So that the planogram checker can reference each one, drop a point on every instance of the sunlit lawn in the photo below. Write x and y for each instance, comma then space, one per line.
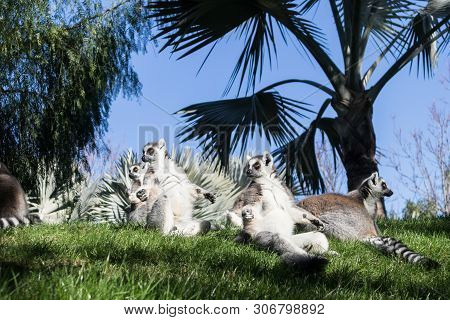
85, 261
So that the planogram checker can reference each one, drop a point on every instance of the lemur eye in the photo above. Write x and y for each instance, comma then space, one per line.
383, 185
150, 151
257, 166
135, 170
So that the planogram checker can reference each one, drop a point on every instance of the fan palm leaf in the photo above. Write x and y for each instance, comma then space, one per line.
111, 200
297, 159
226, 186
220, 127
112, 203
52, 204
189, 26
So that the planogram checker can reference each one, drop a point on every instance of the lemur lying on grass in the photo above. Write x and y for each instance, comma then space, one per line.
352, 217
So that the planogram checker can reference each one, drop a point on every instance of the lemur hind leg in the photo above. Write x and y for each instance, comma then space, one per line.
161, 215
192, 228
290, 253
234, 218
312, 242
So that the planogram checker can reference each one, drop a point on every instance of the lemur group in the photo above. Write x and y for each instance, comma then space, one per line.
162, 197
265, 212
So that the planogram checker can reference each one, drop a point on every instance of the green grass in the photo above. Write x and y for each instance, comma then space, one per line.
84, 261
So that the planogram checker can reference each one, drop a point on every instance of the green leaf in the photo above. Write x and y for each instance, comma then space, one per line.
220, 127
421, 25
189, 26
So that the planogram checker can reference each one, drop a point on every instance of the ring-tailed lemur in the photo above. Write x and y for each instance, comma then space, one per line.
142, 198
352, 217
152, 209
140, 174
269, 216
180, 192
149, 205
13, 203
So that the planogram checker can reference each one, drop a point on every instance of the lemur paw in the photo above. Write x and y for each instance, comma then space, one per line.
210, 196
247, 214
316, 222
320, 226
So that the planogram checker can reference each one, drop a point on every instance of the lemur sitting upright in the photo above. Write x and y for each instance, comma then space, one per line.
352, 217
269, 216
180, 192
152, 209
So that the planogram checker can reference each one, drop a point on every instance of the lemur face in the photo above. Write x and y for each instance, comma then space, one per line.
154, 151
379, 186
137, 170
259, 166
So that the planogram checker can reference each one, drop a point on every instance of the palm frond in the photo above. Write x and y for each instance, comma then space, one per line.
306, 5
297, 159
52, 204
112, 204
220, 127
189, 26
438, 8
421, 25
86, 200
419, 41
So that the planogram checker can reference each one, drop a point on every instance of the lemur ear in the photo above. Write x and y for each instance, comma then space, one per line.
161, 143
248, 158
267, 158
374, 177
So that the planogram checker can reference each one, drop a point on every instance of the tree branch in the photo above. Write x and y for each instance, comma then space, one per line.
98, 15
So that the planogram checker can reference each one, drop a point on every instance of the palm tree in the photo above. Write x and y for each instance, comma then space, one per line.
405, 29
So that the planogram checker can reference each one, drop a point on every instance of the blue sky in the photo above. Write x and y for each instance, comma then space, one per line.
169, 85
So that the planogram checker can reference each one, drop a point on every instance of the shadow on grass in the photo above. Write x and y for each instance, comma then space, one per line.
244, 263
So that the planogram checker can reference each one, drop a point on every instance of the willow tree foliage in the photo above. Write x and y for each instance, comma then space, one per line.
401, 29
62, 62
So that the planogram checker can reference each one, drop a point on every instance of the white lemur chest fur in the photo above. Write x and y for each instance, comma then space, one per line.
274, 196
273, 214
175, 184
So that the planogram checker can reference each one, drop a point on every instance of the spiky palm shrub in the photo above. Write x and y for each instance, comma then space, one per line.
57, 204
205, 173
106, 199
113, 203
48, 201
112, 198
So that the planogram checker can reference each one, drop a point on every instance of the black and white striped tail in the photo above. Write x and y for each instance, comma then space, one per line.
11, 222
398, 248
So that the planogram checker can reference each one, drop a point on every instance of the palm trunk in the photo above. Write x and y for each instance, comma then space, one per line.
358, 142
